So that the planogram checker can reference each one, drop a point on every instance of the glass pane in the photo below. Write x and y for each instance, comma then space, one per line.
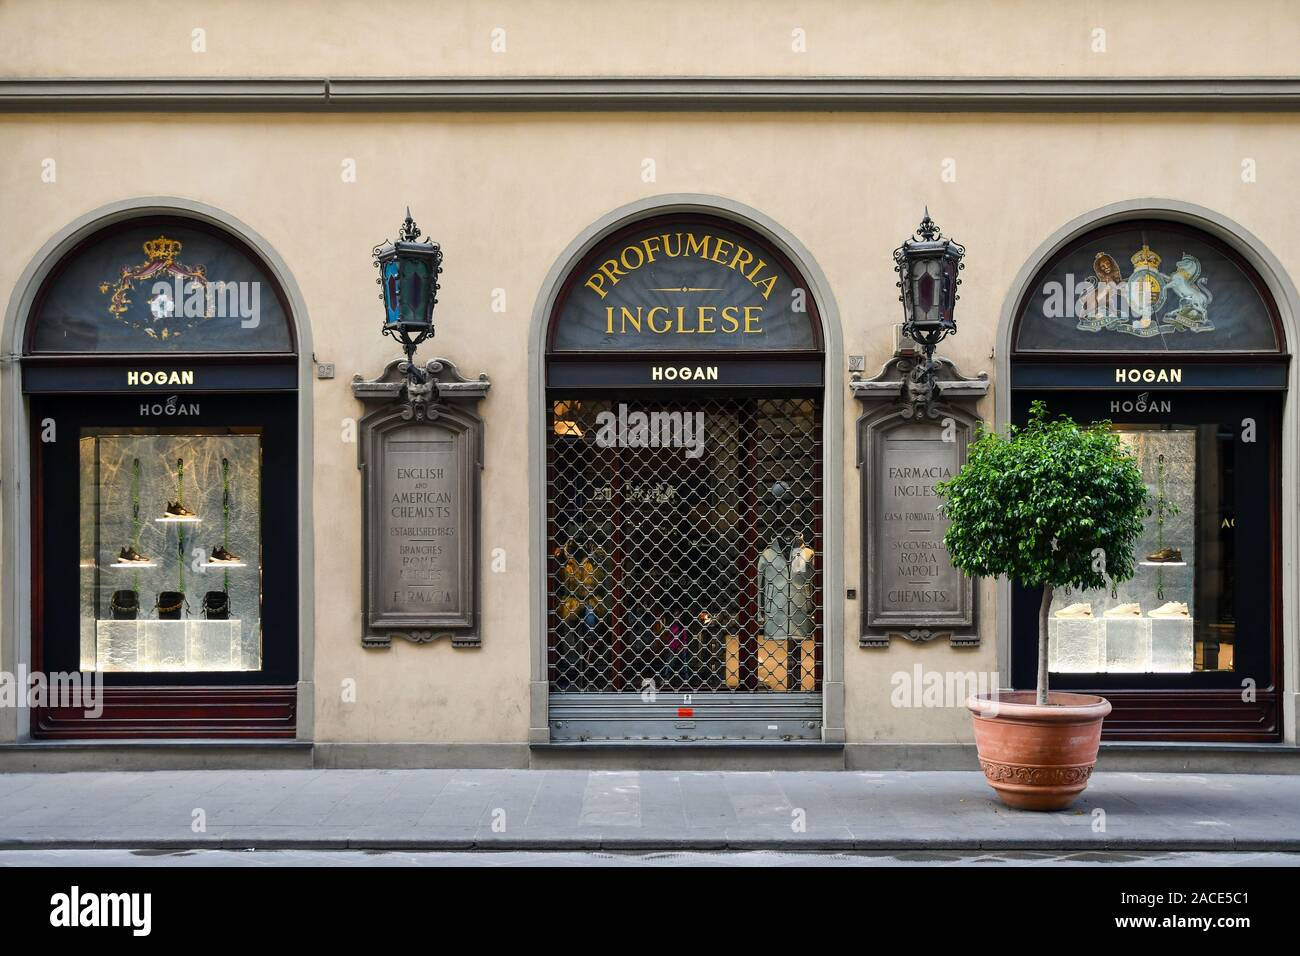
160, 286
689, 283
415, 277
1142, 287
170, 552
1176, 614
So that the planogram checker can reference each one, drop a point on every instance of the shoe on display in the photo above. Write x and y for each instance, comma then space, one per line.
1132, 609
1165, 556
1170, 609
177, 510
220, 555
129, 555
1078, 609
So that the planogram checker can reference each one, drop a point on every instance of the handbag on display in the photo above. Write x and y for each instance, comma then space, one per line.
216, 606
125, 605
169, 605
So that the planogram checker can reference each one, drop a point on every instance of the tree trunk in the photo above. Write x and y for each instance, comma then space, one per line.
1043, 610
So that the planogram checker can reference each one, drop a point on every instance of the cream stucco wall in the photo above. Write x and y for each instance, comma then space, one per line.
94, 38
504, 194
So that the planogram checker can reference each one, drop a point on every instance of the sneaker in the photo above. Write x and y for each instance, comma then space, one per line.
1079, 609
1170, 609
130, 555
177, 510
1165, 556
1125, 610
220, 555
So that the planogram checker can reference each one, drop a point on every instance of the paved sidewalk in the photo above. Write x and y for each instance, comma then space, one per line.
645, 810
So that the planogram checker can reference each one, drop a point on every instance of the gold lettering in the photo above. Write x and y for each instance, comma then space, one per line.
612, 271
699, 317
742, 258
596, 284
670, 252
668, 324
717, 249
649, 252
640, 260
750, 320
730, 319
609, 320
700, 248
770, 283
630, 319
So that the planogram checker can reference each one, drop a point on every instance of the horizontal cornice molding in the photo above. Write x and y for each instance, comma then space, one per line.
486, 94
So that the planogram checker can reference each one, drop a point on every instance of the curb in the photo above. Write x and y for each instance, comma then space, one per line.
660, 845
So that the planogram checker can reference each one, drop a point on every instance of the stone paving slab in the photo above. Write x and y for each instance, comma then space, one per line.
580, 810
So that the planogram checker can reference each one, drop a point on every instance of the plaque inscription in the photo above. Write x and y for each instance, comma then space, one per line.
420, 567
914, 571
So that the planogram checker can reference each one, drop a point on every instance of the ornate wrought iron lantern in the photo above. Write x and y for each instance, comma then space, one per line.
408, 276
928, 268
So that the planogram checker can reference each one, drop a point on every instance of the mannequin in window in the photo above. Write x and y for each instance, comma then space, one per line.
785, 588
801, 589
785, 598
774, 590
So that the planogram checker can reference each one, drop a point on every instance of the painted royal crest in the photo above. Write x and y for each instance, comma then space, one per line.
1147, 302
179, 295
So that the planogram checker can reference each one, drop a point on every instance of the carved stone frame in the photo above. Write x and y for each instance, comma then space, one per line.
890, 403
447, 402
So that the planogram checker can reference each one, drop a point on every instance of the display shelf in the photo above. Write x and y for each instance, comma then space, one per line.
1162, 564
134, 564
172, 519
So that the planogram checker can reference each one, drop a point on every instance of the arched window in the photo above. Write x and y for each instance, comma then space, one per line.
159, 284
1169, 334
165, 552
1147, 286
684, 457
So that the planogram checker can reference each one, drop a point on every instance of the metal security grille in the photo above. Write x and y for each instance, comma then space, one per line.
684, 567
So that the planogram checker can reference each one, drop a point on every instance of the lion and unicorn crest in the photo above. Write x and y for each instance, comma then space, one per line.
1134, 305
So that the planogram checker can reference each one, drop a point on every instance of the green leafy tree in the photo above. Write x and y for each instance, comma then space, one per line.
1050, 504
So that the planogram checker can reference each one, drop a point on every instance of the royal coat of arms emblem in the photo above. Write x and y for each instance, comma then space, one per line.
1148, 302
180, 296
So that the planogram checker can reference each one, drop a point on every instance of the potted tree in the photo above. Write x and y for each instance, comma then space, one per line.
1050, 504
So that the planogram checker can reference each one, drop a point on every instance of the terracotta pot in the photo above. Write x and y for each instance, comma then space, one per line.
1038, 758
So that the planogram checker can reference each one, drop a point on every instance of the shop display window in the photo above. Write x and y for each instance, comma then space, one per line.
1176, 614
685, 540
170, 539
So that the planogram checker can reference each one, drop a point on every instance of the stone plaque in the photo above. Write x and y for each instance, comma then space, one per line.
913, 574
420, 464
910, 588
423, 524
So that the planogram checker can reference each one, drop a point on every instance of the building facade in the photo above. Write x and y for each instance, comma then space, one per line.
674, 502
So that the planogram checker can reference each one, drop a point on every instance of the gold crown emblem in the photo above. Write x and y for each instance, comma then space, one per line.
1144, 258
162, 248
